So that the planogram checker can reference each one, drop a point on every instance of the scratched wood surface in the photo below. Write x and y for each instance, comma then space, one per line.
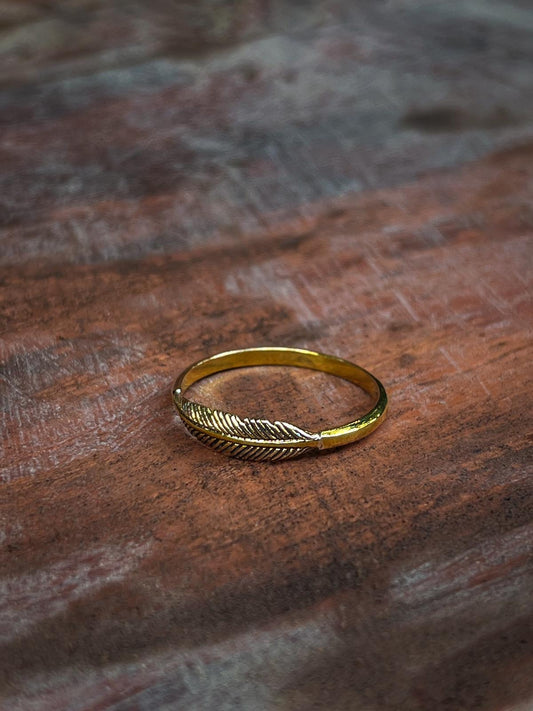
182, 178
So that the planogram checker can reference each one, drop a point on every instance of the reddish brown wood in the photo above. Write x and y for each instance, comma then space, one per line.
355, 180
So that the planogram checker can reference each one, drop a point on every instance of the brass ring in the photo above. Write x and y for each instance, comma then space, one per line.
262, 440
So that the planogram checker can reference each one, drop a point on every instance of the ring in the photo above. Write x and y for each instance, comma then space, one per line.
262, 440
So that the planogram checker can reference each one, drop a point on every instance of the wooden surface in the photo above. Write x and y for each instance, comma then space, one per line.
182, 178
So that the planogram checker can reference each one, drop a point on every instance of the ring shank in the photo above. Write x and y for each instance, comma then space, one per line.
301, 358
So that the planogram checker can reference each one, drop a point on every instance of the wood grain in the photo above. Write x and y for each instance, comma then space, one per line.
189, 179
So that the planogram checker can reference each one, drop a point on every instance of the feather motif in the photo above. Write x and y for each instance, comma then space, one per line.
244, 438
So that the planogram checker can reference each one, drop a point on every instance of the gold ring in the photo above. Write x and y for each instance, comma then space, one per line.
262, 440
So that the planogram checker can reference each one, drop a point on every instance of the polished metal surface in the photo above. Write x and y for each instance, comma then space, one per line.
263, 440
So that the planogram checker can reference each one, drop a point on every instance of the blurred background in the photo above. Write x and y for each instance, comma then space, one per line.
224, 116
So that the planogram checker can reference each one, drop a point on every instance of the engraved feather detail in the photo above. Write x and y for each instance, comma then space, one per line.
245, 438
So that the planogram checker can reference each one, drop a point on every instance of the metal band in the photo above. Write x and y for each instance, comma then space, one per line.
262, 440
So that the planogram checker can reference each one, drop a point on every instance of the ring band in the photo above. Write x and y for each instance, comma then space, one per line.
262, 440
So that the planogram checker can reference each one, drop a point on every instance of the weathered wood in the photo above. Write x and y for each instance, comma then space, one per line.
353, 180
